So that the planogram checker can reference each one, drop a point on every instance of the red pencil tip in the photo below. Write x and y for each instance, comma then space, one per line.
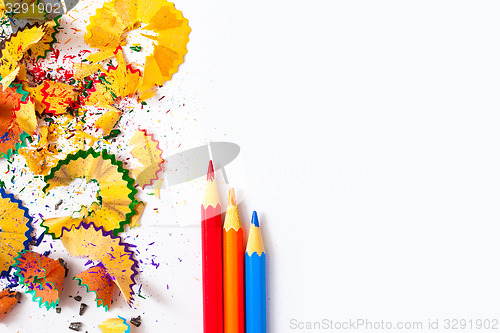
210, 173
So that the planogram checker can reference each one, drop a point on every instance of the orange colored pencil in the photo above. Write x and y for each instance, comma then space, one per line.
233, 256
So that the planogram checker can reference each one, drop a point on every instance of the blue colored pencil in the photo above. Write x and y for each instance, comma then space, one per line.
255, 280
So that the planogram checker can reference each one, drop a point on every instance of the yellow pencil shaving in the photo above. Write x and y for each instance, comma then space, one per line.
232, 215
15, 46
255, 244
139, 209
101, 56
6, 81
26, 117
108, 120
84, 70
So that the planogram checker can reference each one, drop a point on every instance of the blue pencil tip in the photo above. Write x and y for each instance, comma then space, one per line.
255, 219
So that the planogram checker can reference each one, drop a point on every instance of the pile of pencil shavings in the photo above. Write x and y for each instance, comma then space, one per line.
44, 121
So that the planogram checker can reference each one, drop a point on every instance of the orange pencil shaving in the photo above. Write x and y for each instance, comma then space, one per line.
8, 299
233, 255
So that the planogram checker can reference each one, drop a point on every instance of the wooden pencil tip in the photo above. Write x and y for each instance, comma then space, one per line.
255, 219
231, 201
210, 173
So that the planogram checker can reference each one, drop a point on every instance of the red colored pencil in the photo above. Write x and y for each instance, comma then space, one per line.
211, 233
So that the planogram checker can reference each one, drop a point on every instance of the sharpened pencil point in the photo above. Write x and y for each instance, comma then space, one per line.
255, 219
210, 173
231, 201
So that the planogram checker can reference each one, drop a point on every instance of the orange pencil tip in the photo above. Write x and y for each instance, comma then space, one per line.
231, 201
210, 173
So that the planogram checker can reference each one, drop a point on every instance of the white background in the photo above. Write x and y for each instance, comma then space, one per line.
369, 136
370, 133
